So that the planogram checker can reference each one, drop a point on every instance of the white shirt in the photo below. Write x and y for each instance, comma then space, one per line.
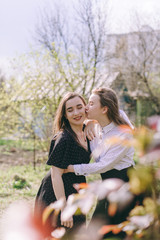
107, 155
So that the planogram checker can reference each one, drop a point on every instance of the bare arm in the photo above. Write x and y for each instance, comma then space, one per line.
58, 187
93, 129
57, 182
109, 156
70, 168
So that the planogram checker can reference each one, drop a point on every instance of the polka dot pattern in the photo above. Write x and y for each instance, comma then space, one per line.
66, 151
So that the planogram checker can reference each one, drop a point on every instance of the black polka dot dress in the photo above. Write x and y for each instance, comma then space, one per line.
66, 151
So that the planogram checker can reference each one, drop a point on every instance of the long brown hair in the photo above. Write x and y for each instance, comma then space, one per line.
61, 123
109, 98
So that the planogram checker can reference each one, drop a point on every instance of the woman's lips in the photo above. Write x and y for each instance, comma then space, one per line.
77, 118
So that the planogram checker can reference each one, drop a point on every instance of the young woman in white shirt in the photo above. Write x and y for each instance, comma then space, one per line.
111, 160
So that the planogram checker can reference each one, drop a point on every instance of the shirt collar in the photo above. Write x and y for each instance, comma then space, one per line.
109, 127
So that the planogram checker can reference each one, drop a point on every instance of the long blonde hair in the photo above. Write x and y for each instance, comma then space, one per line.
109, 98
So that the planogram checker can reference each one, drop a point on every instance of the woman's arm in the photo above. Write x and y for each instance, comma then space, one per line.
92, 129
109, 156
58, 187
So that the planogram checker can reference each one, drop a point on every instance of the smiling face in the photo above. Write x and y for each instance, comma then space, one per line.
94, 109
75, 111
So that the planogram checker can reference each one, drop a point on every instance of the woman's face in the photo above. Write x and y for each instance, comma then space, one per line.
93, 108
75, 111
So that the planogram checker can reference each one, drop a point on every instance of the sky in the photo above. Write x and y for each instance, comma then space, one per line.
18, 19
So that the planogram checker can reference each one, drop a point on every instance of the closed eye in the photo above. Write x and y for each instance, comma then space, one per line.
79, 106
91, 103
69, 109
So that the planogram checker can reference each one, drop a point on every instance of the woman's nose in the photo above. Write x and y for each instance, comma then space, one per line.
75, 111
87, 108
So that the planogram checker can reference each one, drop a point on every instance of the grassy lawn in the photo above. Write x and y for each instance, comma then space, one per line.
10, 190
29, 180
21, 181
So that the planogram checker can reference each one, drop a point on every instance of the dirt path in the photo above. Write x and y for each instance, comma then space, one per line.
18, 157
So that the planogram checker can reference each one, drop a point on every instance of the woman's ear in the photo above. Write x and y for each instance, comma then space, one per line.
105, 110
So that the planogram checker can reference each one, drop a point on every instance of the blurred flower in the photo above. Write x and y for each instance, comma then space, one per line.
19, 224
142, 222
150, 206
143, 137
108, 228
126, 128
91, 232
77, 204
122, 198
154, 123
137, 211
56, 207
102, 189
58, 233
85, 199
153, 157
137, 225
79, 186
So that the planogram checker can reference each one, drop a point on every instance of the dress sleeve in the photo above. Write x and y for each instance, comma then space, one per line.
51, 147
59, 155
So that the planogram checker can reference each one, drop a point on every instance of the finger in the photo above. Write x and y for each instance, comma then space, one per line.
68, 224
90, 139
91, 135
71, 223
100, 135
63, 223
84, 135
88, 134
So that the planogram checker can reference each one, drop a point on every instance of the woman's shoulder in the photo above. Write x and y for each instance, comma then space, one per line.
124, 131
62, 136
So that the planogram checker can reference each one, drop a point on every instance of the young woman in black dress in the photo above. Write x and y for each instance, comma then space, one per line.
67, 147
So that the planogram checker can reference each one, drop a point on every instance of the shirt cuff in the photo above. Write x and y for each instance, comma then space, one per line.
78, 170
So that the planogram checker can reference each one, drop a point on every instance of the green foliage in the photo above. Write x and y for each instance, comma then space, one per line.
24, 189
20, 183
145, 110
6, 142
137, 183
23, 144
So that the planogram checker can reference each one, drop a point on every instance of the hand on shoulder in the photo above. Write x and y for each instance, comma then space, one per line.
92, 129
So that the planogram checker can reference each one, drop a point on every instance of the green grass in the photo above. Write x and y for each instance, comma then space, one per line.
23, 144
9, 194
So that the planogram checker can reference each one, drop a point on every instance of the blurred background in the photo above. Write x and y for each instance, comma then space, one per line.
50, 47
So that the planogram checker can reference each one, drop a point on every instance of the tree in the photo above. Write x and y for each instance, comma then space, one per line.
136, 58
70, 59
77, 48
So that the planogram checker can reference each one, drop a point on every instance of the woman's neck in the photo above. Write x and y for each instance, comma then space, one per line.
104, 121
77, 129
80, 135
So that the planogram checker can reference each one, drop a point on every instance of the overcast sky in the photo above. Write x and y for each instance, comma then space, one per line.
19, 17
